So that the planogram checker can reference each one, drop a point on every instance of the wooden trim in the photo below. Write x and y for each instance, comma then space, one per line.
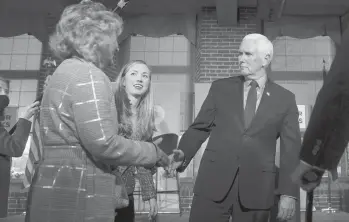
170, 69
263, 9
295, 75
19, 74
260, 26
227, 12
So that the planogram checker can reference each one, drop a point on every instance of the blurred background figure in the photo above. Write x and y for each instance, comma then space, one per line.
12, 143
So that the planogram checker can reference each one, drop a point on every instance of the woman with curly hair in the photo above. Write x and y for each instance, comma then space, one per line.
136, 122
74, 181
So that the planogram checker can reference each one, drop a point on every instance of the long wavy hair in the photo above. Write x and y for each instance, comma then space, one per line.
144, 127
89, 31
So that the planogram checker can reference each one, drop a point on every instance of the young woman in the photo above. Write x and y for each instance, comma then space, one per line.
136, 122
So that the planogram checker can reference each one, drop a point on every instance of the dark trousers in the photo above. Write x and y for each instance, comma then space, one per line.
5, 177
126, 214
206, 210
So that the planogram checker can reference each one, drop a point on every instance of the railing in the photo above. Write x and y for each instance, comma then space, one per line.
184, 200
337, 199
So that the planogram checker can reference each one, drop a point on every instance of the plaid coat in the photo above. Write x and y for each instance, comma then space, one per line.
74, 181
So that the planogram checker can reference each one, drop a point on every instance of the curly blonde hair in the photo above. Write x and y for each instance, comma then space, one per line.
89, 31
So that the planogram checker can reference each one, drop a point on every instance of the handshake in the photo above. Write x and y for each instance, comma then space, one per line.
169, 157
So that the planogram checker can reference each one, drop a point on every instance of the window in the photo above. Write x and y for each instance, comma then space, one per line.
291, 54
165, 51
20, 53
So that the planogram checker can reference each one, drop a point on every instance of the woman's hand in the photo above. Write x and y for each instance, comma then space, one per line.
30, 111
153, 212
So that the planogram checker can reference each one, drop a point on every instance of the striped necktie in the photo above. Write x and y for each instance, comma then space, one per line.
35, 153
251, 103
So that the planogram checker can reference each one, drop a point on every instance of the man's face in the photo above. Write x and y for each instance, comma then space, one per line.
4, 90
251, 61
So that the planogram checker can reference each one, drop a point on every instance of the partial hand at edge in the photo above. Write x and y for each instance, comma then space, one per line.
307, 177
30, 111
153, 211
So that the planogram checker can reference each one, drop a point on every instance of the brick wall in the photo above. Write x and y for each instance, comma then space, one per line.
217, 53
17, 201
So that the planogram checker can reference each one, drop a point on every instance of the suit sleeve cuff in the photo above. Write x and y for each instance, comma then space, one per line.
183, 166
315, 167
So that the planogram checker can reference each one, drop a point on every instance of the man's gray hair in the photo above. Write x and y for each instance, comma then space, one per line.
264, 45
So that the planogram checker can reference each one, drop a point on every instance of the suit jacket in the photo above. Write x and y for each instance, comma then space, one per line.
78, 123
14, 145
327, 133
231, 147
10, 146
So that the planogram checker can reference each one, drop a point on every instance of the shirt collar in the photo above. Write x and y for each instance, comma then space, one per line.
261, 81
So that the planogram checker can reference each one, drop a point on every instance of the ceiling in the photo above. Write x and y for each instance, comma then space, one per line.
291, 7
227, 10
133, 7
316, 7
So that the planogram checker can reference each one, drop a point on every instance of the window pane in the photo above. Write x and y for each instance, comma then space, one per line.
291, 54
20, 53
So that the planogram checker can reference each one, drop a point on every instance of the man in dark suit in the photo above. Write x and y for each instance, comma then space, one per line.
327, 134
244, 116
12, 144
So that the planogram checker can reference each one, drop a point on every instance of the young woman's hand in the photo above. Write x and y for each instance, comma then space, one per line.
30, 111
153, 212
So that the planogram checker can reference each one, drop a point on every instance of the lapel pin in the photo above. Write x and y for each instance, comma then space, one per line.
268, 94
